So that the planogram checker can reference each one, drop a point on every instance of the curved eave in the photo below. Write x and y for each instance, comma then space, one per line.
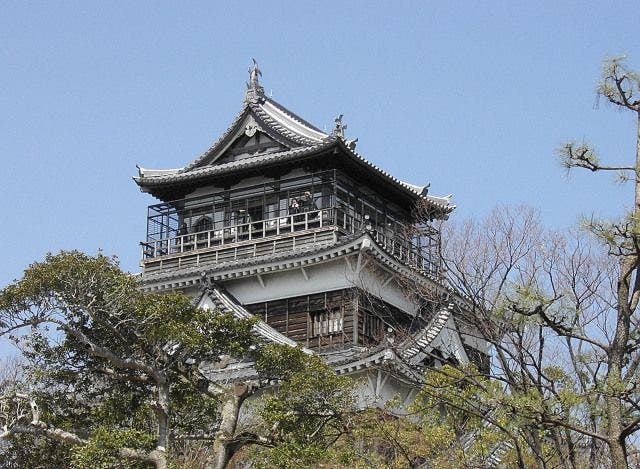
261, 328
208, 172
155, 183
288, 124
192, 276
222, 140
440, 204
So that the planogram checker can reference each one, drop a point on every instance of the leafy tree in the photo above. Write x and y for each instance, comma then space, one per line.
560, 313
113, 375
620, 87
311, 409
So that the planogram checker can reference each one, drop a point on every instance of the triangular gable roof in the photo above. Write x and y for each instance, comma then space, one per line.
213, 296
266, 116
292, 137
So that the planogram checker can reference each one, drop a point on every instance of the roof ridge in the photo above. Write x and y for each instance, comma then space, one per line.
224, 135
293, 115
272, 122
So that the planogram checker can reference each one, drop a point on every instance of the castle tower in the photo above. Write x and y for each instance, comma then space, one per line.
282, 221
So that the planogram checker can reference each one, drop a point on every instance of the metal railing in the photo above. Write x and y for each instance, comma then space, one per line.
397, 241
237, 233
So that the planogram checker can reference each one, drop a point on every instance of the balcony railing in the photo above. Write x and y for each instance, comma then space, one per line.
237, 233
410, 249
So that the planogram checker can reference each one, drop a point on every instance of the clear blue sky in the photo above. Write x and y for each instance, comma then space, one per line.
472, 97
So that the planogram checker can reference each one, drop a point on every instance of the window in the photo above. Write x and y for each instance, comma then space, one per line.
326, 323
204, 224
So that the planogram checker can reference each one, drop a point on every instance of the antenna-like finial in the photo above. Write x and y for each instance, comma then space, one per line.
255, 91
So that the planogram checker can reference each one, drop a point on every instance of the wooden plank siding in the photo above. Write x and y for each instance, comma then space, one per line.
371, 316
295, 318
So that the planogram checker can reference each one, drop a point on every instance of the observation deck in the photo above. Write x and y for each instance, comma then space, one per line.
266, 219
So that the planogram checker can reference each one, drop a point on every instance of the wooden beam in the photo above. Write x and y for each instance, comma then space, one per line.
304, 273
260, 280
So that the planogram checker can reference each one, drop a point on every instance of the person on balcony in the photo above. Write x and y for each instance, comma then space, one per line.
182, 241
183, 230
307, 204
294, 207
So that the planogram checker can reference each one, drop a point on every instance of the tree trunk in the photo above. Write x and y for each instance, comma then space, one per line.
618, 453
160, 459
617, 443
617, 350
224, 446
162, 412
637, 172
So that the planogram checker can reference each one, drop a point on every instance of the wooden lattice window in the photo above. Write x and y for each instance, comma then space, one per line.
326, 323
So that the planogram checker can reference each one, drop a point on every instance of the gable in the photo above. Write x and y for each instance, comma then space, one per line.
252, 142
247, 136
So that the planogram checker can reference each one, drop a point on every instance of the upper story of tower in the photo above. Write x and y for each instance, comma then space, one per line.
274, 183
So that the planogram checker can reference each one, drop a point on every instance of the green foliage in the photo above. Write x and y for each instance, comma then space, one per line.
578, 154
307, 413
276, 362
618, 83
463, 406
29, 451
393, 441
72, 313
102, 449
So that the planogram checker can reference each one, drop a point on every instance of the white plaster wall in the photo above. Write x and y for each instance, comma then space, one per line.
332, 275
283, 284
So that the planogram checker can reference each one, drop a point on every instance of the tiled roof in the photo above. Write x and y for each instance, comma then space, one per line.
225, 168
299, 137
286, 260
226, 304
275, 117
239, 117
421, 341
442, 203
347, 361
287, 123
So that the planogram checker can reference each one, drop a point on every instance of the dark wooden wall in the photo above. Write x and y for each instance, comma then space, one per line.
298, 317
294, 317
